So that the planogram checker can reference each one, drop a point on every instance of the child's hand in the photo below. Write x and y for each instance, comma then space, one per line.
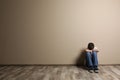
95, 49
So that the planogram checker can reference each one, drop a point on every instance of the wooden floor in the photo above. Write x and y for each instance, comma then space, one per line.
58, 73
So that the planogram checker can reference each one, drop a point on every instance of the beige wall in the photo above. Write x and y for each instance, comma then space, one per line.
54, 31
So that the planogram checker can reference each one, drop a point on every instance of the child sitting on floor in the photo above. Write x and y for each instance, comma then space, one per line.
91, 58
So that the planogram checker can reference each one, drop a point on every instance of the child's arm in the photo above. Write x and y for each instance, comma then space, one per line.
87, 50
95, 49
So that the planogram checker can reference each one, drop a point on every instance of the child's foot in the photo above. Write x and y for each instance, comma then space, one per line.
96, 71
96, 68
91, 71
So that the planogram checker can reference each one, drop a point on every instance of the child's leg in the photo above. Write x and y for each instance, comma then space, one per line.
95, 60
89, 60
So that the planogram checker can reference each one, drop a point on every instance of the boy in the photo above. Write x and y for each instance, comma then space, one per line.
91, 58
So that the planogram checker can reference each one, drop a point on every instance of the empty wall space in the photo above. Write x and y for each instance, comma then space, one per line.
55, 31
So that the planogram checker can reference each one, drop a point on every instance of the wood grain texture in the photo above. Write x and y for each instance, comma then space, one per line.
58, 73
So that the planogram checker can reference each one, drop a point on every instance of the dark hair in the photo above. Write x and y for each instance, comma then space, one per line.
91, 46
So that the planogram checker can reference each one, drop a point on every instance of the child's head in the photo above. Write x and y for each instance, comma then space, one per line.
90, 46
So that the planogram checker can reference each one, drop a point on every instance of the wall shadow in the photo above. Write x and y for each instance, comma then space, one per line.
81, 59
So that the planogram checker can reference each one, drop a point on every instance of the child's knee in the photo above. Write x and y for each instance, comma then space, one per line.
87, 53
95, 53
